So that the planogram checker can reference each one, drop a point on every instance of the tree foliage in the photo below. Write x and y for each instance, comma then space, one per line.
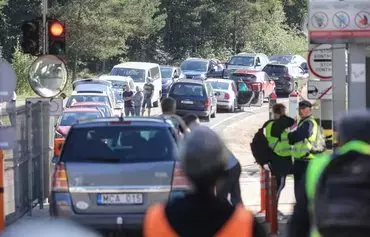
164, 31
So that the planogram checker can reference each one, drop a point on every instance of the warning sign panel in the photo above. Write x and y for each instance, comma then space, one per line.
320, 61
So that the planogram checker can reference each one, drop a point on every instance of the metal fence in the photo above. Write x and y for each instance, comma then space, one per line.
27, 166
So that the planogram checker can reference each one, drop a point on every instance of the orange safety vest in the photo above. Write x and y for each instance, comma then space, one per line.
58, 142
239, 225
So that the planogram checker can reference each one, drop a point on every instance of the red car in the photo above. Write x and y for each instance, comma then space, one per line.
71, 116
100, 105
257, 81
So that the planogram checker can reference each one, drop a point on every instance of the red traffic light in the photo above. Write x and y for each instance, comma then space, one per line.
56, 29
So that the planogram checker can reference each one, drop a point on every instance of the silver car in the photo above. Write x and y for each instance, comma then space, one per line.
111, 170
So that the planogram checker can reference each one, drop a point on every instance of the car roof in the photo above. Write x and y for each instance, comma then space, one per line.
80, 110
278, 64
136, 65
246, 71
89, 92
220, 80
167, 66
134, 121
245, 54
88, 103
116, 78
190, 81
197, 59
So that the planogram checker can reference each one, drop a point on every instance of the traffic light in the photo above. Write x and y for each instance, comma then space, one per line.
56, 36
31, 37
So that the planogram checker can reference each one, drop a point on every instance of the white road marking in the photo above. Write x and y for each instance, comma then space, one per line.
226, 119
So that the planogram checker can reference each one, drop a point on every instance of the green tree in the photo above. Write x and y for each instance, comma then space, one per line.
21, 64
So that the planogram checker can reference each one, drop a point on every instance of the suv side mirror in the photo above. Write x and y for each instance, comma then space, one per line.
258, 64
176, 76
149, 79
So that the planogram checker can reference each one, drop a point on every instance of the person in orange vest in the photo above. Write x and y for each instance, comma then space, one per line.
204, 158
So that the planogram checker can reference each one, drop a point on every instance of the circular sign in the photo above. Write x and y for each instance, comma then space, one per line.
319, 20
8, 81
362, 20
320, 61
48, 76
341, 20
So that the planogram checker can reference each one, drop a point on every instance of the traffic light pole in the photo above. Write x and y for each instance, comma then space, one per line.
44, 27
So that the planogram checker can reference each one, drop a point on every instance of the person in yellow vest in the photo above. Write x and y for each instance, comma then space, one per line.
203, 156
276, 132
302, 139
354, 141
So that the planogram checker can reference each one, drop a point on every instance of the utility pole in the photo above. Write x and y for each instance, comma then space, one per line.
44, 27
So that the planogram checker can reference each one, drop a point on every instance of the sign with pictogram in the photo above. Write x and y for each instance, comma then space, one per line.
317, 90
362, 20
319, 20
339, 22
320, 61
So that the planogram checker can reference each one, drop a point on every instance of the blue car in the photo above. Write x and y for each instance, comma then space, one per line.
170, 75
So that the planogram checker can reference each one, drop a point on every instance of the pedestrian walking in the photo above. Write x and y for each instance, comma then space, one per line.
276, 133
128, 102
138, 99
200, 213
336, 190
229, 184
307, 140
168, 106
148, 95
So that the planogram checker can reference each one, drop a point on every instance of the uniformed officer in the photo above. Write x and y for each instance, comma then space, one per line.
201, 213
302, 139
354, 141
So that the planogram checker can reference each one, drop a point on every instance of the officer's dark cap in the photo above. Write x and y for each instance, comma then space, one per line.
305, 104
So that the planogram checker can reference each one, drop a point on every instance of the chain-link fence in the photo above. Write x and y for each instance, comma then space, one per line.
27, 166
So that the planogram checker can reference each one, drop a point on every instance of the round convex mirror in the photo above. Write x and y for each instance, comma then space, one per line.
48, 76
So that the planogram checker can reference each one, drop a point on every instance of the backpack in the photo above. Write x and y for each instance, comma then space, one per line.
319, 145
342, 200
261, 151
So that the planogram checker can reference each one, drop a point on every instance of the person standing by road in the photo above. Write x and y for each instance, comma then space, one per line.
128, 102
230, 182
138, 99
148, 95
200, 213
348, 203
276, 133
307, 141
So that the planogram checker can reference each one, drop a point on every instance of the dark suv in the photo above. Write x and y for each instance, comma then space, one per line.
194, 96
198, 68
287, 77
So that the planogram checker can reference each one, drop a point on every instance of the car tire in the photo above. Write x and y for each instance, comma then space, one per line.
207, 118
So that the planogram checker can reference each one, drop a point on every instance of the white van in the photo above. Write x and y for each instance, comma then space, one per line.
142, 73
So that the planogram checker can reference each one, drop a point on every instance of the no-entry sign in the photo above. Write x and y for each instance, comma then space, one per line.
320, 61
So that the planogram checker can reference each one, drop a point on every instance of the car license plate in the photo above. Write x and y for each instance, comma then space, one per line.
189, 102
123, 198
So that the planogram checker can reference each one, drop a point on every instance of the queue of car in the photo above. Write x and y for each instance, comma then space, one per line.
111, 168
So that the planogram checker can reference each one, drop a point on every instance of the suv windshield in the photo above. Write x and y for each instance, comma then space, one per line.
138, 75
166, 72
191, 65
87, 98
275, 69
284, 59
187, 89
217, 85
242, 61
70, 118
121, 144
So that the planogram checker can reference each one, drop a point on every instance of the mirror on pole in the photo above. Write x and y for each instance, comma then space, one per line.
48, 76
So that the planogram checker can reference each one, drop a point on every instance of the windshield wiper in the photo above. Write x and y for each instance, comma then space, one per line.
104, 159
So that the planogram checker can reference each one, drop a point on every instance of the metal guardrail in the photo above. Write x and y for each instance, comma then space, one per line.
27, 166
